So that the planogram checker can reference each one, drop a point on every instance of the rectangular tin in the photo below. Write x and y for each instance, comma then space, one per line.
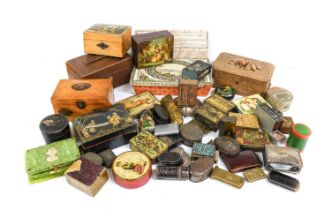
227, 177
166, 129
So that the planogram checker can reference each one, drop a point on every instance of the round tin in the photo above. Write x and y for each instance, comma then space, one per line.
132, 169
299, 136
188, 111
226, 92
279, 98
227, 146
191, 134
55, 127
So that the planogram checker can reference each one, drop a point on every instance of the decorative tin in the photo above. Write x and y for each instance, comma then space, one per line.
108, 157
277, 138
152, 49
172, 172
187, 93
252, 139
186, 110
246, 120
287, 125
137, 103
148, 144
254, 174
285, 159
200, 169
132, 169
196, 71
227, 127
227, 177
245, 160
220, 103
146, 122
184, 156
99, 131
172, 140
299, 136
87, 176
284, 180
170, 159
270, 120
94, 157
173, 110
51, 160
248, 104
160, 114
226, 92
202, 150
55, 127
279, 98
202, 126
209, 116
166, 129
191, 134
227, 146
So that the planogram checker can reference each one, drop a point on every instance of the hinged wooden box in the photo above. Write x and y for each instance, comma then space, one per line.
90, 66
73, 98
105, 39
247, 76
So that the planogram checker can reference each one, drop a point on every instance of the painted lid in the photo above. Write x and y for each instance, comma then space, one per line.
53, 125
301, 131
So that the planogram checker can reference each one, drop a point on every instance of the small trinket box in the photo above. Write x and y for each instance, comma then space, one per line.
132, 169
187, 93
248, 104
172, 172
152, 49
279, 98
245, 160
226, 92
252, 139
287, 125
108, 157
186, 110
202, 126
137, 103
51, 160
200, 169
227, 146
196, 71
94, 157
55, 127
160, 114
170, 159
270, 120
202, 150
246, 120
148, 144
228, 127
191, 134
227, 177
299, 136
184, 156
174, 112
285, 159
277, 137
254, 174
146, 121
284, 180
87, 176
166, 129
220, 103
172, 140
209, 116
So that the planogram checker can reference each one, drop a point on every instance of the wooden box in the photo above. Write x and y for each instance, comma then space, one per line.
152, 49
90, 66
189, 46
73, 98
247, 76
110, 40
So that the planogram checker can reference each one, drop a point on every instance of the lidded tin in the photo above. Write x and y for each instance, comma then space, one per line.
279, 98
132, 169
55, 127
191, 134
299, 136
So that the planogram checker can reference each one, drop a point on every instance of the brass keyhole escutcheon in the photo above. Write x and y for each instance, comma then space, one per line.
80, 104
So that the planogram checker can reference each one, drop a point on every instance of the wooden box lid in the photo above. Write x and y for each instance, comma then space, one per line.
244, 67
107, 32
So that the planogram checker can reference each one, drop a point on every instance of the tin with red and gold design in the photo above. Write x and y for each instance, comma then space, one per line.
132, 169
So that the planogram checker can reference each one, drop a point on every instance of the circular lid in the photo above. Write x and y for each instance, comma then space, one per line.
226, 92
191, 132
301, 131
54, 124
227, 145
131, 165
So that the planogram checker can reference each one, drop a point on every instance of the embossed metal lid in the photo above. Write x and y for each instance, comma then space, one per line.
191, 134
227, 146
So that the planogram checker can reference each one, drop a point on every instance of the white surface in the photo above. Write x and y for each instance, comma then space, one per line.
37, 37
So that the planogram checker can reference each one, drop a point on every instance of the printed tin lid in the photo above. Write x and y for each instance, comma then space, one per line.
301, 131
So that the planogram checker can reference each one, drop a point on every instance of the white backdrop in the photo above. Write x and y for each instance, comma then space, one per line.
37, 37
